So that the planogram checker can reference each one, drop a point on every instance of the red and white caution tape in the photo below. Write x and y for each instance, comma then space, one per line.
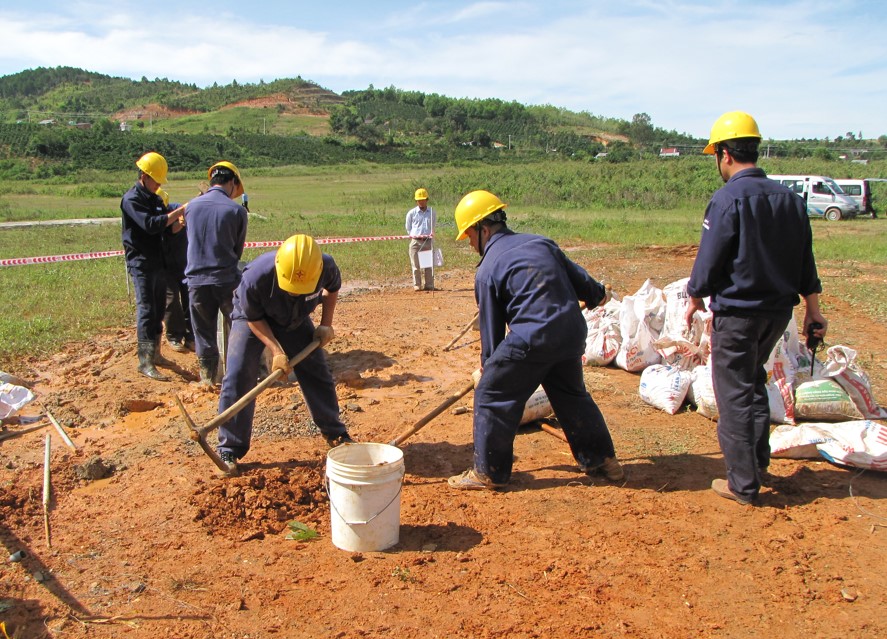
74, 257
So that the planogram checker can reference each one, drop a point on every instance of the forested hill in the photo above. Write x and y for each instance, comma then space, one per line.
57, 121
75, 92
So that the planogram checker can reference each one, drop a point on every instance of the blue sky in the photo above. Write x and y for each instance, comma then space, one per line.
804, 69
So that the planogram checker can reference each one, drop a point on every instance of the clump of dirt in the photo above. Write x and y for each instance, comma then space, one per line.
262, 501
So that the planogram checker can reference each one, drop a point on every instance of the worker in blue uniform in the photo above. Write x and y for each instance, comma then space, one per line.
527, 283
177, 316
272, 308
755, 258
216, 227
145, 217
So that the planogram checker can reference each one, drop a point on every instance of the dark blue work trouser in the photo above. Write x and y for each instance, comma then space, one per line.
149, 285
206, 302
177, 317
507, 382
313, 375
740, 346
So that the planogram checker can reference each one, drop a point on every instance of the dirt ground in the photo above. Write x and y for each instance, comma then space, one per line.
164, 547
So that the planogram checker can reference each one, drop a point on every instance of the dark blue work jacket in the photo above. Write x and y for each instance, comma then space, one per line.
526, 282
143, 222
756, 250
259, 297
216, 227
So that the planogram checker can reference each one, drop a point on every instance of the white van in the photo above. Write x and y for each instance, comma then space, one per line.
823, 196
860, 191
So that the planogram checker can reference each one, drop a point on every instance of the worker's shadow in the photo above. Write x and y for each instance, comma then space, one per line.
688, 472
449, 537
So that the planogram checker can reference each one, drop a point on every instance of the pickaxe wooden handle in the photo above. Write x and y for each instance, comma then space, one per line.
199, 434
449, 401
464, 330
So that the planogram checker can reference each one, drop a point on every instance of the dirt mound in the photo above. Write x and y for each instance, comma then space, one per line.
262, 501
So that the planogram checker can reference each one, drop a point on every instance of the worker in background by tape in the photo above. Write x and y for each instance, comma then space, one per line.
272, 308
216, 226
420, 223
145, 217
525, 282
755, 258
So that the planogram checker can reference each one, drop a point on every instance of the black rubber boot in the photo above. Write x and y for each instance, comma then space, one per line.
208, 369
147, 351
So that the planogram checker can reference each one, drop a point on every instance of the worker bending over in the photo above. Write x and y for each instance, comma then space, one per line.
527, 283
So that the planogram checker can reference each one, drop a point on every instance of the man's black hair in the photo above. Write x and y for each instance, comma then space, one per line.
743, 150
222, 175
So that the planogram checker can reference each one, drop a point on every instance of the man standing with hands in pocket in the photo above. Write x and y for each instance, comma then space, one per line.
420, 224
755, 259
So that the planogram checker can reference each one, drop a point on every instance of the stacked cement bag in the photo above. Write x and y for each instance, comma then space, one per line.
641, 317
673, 360
604, 337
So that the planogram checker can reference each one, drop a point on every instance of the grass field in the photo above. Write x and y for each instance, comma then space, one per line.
47, 305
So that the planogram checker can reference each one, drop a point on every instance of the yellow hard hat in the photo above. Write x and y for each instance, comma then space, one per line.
224, 164
473, 208
732, 125
299, 264
421, 194
154, 166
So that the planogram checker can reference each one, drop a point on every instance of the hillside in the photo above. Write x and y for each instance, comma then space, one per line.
58, 121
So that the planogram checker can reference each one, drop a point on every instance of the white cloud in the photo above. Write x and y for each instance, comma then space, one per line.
793, 65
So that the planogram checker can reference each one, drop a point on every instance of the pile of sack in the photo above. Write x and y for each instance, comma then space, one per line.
646, 333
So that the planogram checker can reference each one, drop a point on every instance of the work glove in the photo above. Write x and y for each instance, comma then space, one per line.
163, 196
325, 334
281, 363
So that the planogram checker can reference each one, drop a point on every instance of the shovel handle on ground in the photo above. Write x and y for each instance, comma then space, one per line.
415, 428
464, 330
199, 434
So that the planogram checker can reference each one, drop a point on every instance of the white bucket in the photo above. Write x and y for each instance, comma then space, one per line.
364, 483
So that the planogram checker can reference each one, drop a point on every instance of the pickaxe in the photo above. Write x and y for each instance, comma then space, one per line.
464, 330
199, 434
449, 401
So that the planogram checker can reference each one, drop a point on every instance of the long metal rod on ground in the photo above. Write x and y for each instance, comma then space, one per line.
19, 433
46, 489
58, 427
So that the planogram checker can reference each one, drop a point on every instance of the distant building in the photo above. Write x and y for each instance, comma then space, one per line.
46, 122
125, 126
669, 152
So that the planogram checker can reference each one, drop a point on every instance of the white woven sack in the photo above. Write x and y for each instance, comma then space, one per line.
842, 367
12, 398
536, 407
702, 392
641, 317
604, 336
861, 444
665, 387
858, 443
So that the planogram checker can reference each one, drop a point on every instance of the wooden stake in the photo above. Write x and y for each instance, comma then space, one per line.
46, 490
